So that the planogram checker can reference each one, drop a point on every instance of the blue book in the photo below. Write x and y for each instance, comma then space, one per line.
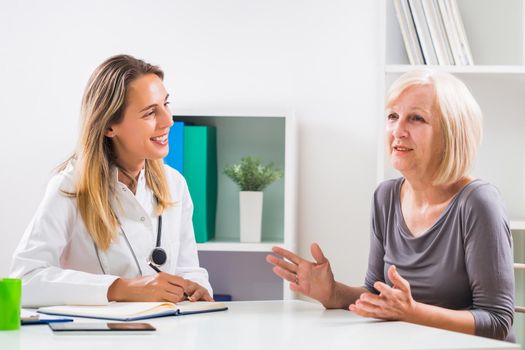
175, 157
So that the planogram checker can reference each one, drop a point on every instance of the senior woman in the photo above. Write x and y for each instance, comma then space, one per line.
440, 243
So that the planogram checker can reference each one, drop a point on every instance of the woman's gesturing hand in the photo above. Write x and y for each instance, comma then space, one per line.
159, 287
313, 279
392, 303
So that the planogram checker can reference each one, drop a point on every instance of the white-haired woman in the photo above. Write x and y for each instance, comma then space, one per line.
440, 246
115, 223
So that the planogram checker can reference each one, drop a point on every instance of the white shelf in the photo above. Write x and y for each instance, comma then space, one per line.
218, 246
482, 69
517, 225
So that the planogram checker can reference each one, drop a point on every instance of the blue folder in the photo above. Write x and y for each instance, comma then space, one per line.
175, 157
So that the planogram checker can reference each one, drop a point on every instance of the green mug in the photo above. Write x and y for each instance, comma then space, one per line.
10, 296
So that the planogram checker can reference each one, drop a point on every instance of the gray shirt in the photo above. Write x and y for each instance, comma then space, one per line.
463, 262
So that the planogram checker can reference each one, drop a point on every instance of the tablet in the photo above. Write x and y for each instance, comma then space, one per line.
101, 328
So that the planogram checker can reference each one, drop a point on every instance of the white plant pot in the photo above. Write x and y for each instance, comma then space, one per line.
251, 216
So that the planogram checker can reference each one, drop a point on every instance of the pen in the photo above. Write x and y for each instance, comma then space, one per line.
154, 267
186, 296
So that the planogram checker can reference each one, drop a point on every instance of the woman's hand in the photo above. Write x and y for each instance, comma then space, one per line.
158, 287
392, 303
313, 279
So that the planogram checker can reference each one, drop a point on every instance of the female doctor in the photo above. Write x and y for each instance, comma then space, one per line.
115, 223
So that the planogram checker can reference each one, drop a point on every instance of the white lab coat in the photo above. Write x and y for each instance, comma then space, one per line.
56, 257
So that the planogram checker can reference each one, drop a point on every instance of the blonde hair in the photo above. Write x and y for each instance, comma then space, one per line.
103, 105
460, 120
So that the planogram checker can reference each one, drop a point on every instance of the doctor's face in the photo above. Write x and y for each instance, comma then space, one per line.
143, 130
413, 133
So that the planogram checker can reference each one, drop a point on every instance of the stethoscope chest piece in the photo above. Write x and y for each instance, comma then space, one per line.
158, 257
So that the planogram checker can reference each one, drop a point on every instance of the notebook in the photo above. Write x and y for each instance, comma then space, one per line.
132, 311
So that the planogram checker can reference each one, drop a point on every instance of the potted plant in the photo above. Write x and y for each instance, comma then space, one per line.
252, 178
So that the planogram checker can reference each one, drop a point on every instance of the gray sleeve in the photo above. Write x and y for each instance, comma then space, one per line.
375, 271
489, 262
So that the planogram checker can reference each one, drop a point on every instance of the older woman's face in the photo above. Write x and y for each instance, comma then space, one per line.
413, 133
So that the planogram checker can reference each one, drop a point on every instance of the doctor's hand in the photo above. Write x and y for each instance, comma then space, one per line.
159, 287
392, 303
313, 279
196, 292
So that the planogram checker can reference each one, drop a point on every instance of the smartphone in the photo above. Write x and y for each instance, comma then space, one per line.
101, 328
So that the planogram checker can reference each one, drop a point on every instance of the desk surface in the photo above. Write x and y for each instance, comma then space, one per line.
259, 325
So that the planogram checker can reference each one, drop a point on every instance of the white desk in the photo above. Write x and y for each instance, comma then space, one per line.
259, 325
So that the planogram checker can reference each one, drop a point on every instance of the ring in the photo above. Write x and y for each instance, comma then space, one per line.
296, 279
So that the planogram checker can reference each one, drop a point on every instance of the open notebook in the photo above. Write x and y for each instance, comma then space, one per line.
132, 311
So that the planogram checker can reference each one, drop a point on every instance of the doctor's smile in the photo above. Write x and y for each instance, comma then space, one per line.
161, 140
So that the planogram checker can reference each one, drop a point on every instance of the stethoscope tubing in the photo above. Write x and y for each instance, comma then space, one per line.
155, 265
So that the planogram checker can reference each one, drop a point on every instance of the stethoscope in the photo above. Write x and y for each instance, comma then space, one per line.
156, 259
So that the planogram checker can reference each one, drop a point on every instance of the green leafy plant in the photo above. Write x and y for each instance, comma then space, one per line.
251, 175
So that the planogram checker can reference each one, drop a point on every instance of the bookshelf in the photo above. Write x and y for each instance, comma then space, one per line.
236, 268
495, 31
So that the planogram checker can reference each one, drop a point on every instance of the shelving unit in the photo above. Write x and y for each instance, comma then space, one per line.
235, 268
495, 30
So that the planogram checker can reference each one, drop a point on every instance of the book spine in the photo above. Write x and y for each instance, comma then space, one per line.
462, 35
450, 29
175, 157
200, 171
408, 31
211, 182
437, 32
423, 32
443, 31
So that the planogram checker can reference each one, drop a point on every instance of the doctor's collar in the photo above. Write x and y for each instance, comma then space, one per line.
114, 172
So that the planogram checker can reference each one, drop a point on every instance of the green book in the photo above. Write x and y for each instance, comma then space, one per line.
200, 171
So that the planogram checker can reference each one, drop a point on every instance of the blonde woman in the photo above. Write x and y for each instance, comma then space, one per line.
115, 223
440, 246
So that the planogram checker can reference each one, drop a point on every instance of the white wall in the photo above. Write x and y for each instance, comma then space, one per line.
318, 58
